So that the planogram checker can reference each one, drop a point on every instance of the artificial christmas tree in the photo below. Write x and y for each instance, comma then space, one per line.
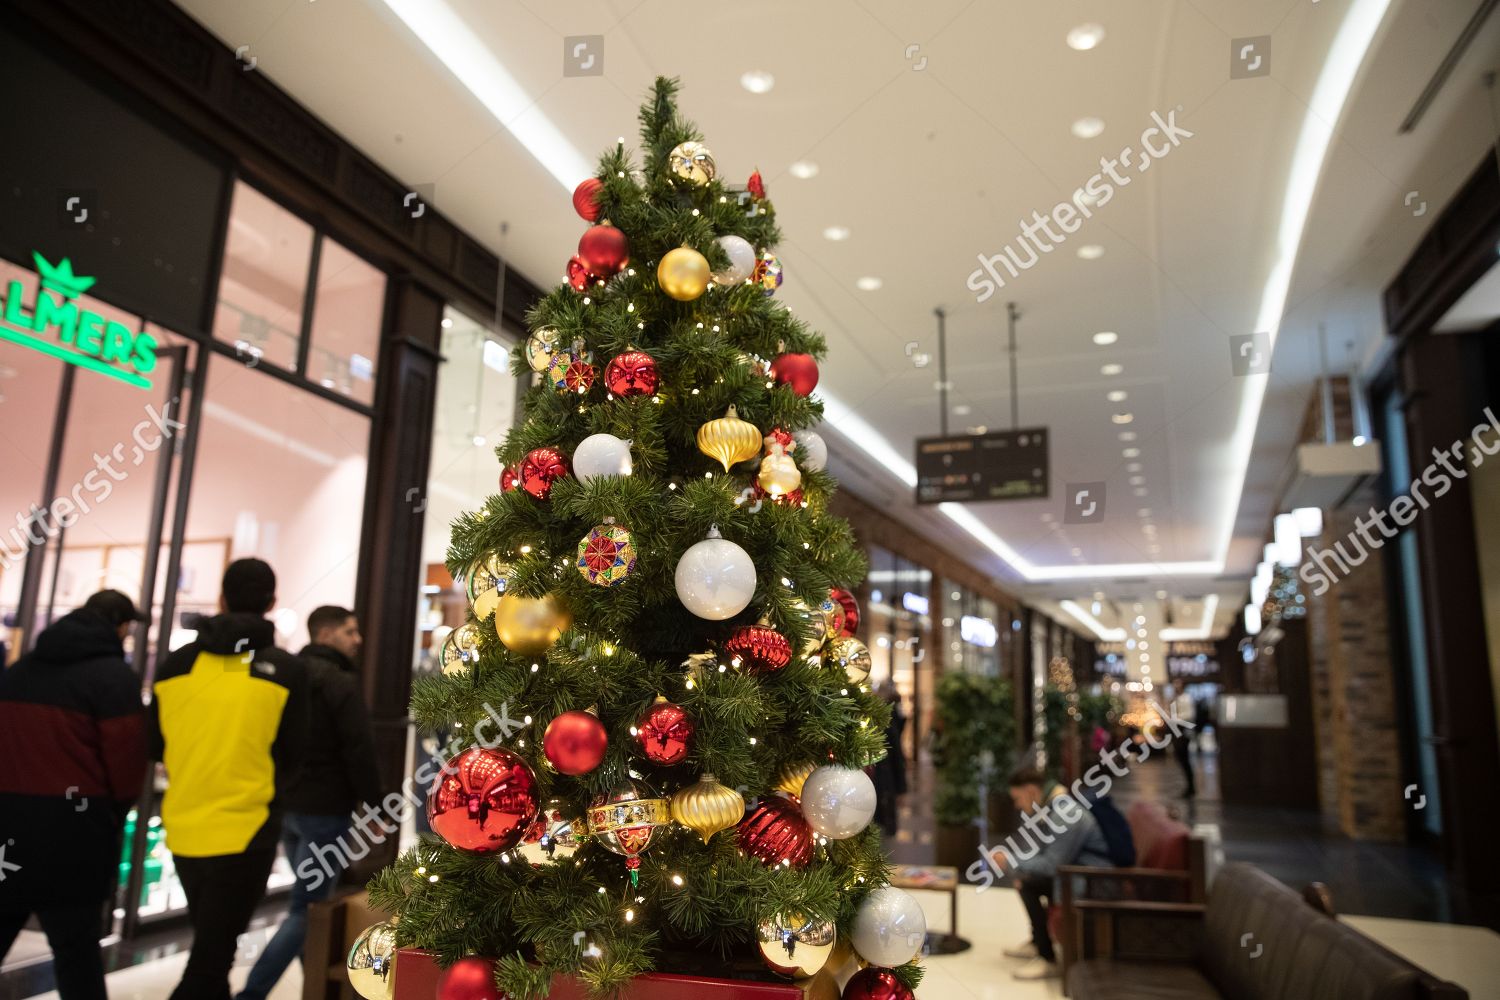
671, 594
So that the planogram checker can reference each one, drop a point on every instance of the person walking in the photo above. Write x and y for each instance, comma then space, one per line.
72, 739
338, 775
229, 721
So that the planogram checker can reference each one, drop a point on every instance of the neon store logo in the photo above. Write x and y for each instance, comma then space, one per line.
58, 325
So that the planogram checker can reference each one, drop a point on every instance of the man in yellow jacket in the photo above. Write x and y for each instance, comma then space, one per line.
229, 721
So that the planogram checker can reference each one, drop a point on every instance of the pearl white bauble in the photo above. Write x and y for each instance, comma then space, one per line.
889, 928
838, 802
812, 451
741, 260
715, 578
601, 455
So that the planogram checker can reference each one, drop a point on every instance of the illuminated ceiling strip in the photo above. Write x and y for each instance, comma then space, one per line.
1091, 623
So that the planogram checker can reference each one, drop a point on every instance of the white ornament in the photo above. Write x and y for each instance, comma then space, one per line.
741, 260
838, 802
812, 451
601, 455
715, 578
889, 928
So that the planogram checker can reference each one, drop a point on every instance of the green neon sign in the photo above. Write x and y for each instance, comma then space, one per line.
56, 325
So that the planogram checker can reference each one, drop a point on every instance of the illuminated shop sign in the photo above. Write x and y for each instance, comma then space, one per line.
978, 631
915, 603
57, 325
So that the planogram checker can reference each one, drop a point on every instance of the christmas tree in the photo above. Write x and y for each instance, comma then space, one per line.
662, 605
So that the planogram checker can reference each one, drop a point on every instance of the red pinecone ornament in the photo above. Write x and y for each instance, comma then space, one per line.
756, 186
578, 274
666, 733
776, 832
631, 374
760, 648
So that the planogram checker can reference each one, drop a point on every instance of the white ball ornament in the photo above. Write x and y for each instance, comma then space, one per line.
715, 578
812, 451
601, 455
838, 802
889, 928
741, 260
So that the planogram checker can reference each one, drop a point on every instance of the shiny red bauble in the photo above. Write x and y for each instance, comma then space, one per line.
575, 742
604, 250
540, 469
876, 984
586, 198
483, 801
665, 733
851, 610
631, 374
760, 648
578, 274
509, 479
800, 371
775, 832
471, 978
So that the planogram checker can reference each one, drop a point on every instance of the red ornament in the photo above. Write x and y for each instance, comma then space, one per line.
760, 648
876, 984
665, 731
574, 742
756, 186
781, 437
851, 610
775, 832
540, 469
631, 374
586, 198
800, 371
578, 274
471, 978
484, 800
604, 250
508, 479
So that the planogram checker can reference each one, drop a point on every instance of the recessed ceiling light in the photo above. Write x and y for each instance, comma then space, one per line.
1088, 128
1117, 396
1091, 251
1140, 633
803, 170
1141, 492
1131, 453
1137, 480
1111, 369
1085, 36
1133, 467
1127, 435
1161, 595
962, 410
447, 323
757, 81
836, 233
1122, 418
869, 284
1106, 337
1082, 197
1077, 551
1144, 512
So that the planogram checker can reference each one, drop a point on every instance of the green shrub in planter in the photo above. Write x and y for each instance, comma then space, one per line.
975, 742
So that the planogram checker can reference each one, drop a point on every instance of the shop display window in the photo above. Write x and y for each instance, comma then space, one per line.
347, 309
263, 288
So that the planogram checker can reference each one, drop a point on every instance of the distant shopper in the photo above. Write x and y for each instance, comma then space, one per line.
73, 747
229, 721
890, 772
1058, 831
1183, 708
338, 775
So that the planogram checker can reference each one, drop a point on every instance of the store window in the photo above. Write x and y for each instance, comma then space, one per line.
263, 288
899, 616
346, 323
972, 628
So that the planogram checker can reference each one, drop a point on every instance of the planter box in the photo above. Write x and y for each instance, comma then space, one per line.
418, 975
956, 846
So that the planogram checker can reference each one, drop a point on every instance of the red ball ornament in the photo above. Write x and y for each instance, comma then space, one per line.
800, 371
574, 742
756, 186
484, 800
471, 978
540, 469
851, 610
631, 374
578, 274
604, 250
876, 984
586, 198
508, 479
775, 832
665, 732
760, 648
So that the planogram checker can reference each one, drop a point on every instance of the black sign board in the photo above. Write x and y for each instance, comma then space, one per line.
1003, 465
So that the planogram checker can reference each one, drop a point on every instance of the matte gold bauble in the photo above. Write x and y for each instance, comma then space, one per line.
729, 439
778, 473
528, 625
371, 963
683, 274
853, 656
791, 778
706, 807
794, 945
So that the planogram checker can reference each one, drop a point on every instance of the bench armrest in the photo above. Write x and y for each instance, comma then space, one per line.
1097, 872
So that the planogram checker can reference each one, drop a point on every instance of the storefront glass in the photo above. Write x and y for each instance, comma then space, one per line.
897, 627
971, 627
263, 287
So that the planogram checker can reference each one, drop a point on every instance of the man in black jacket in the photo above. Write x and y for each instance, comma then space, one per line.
338, 775
72, 743
229, 721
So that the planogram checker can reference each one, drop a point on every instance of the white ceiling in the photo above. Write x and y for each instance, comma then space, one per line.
936, 127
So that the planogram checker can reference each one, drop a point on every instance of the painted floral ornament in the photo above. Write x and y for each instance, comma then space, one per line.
767, 272
572, 370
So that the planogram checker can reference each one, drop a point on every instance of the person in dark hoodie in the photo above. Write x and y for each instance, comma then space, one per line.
72, 739
338, 775
229, 721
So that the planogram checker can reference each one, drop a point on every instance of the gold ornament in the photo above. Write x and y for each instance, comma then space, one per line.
833, 616
729, 439
692, 162
372, 962
817, 627
528, 625
540, 347
485, 583
794, 945
823, 986
792, 777
683, 274
707, 807
853, 656
460, 650
778, 473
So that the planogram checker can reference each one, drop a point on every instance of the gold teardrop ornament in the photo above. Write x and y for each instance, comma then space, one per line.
729, 439
706, 807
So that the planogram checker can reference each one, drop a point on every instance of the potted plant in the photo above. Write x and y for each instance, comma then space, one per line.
974, 749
